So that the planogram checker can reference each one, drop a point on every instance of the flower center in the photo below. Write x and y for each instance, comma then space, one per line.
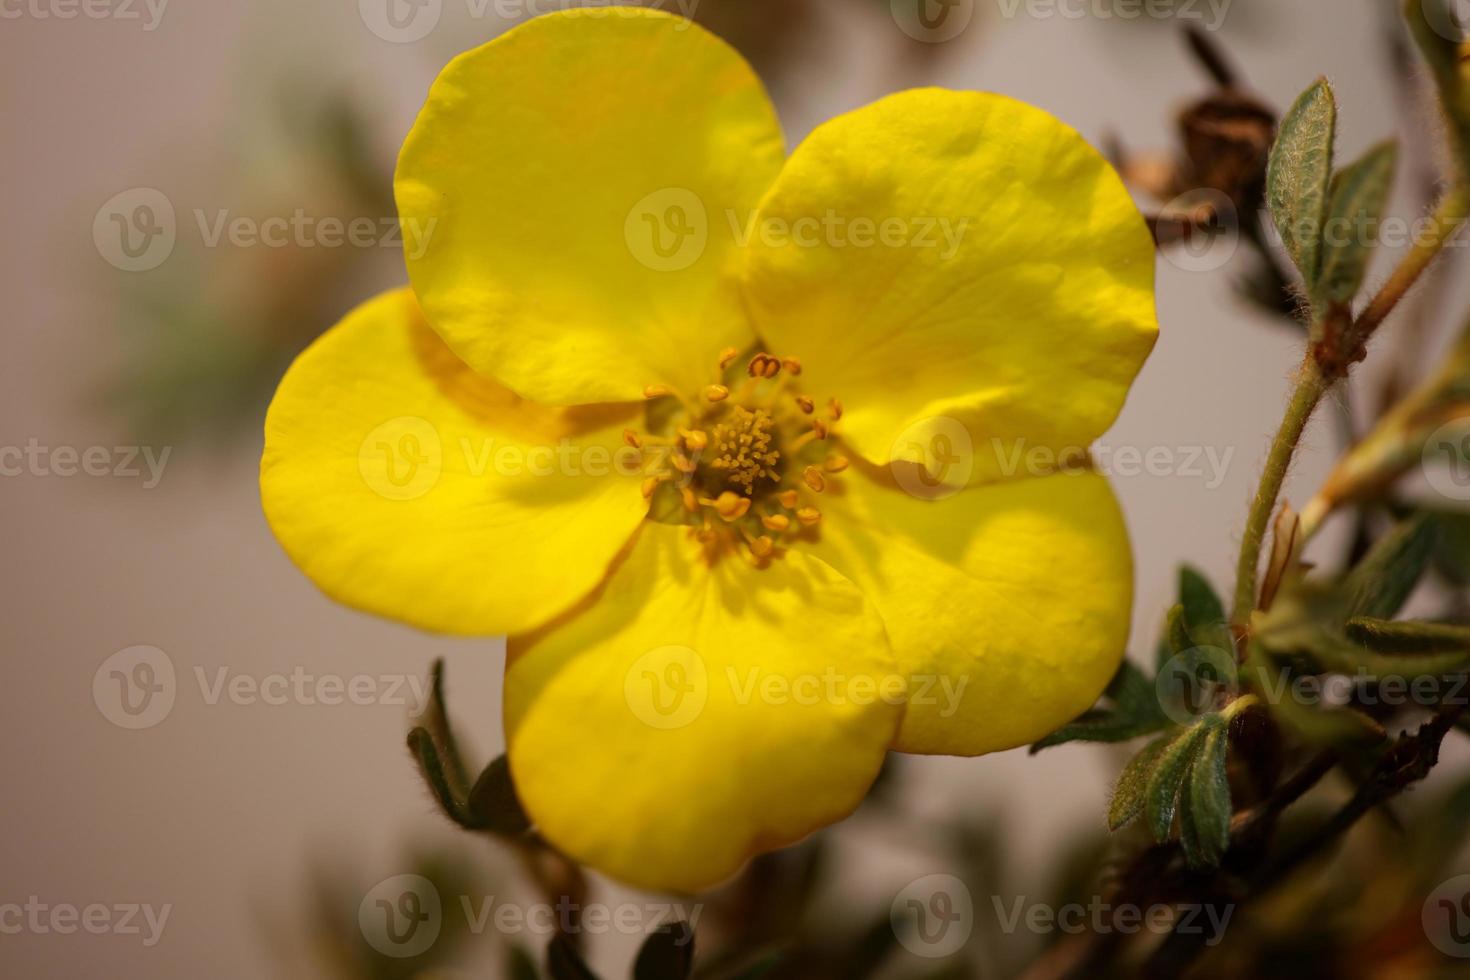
743, 462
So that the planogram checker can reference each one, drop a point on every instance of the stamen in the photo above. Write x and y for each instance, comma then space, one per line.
656, 391
819, 428
727, 357
788, 499
835, 464
776, 522
762, 546
791, 364
650, 485
695, 439
806, 404
731, 506
813, 478
631, 438
683, 463
809, 516
764, 366
691, 502
836, 407
716, 393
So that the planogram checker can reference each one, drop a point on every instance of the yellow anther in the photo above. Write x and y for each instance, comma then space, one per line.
805, 404
836, 407
764, 366
835, 464
819, 428
809, 516
631, 438
683, 463
717, 393
791, 364
788, 499
762, 546
656, 391
691, 502
732, 506
727, 357
813, 478
650, 485
776, 522
695, 439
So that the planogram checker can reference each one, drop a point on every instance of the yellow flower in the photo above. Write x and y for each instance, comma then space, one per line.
739, 450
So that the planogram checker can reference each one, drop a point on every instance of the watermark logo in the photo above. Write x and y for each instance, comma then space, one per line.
135, 688
1446, 917
136, 230
933, 458
933, 21
401, 21
1199, 231
667, 687
401, 916
1190, 684
1449, 19
1447, 460
668, 230
402, 458
933, 916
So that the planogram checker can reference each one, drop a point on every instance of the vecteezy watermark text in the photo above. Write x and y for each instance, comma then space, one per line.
148, 12
40, 918
403, 916
37, 460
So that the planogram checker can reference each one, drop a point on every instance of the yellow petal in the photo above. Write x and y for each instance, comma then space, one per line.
1007, 604
687, 717
567, 196
959, 256
404, 484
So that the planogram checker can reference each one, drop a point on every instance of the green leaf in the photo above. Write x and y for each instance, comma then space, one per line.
1204, 612
667, 954
519, 965
1381, 583
1177, 630
1129, 793
1452, 557
1416, 636
1434, 27
564, 962
493, 803
1299, 176
1165, 783
1359, 195
1209, 800
1135, 711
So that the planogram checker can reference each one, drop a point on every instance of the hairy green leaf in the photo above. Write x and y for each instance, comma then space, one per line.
667, 954
1299, 176
1129, 793
565, 962
1204, 612
493, 803
1414, 636
1165, 783
1208, 828
1359, 195
1134, 711
1380, 585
